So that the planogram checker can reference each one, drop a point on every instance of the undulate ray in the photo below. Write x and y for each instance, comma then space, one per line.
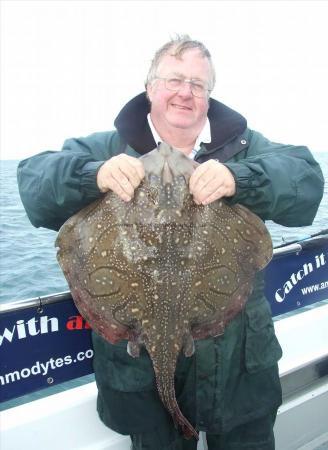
161, 271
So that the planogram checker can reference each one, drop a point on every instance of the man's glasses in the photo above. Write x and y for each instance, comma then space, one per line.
198, 89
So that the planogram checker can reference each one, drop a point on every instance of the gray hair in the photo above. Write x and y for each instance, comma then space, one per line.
176, 47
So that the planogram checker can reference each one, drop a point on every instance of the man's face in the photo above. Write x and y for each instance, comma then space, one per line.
180, 109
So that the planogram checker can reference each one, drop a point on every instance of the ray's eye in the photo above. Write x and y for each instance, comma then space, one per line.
153, 179
180, 180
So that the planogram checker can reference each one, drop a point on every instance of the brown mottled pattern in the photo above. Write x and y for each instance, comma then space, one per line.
161, 271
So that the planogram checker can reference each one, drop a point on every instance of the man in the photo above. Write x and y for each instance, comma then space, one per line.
230, 387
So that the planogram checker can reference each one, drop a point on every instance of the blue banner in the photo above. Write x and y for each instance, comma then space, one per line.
297, 280
41, 349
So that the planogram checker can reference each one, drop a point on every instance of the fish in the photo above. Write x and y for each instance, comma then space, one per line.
161, 271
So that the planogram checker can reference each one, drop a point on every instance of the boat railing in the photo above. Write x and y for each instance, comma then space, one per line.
315, 241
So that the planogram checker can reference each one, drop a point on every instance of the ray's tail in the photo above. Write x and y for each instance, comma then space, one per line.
165, 386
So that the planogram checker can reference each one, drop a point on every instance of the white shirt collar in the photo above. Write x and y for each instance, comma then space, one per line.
204, 136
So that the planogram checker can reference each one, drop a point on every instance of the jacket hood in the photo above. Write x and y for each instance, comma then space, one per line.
132, 124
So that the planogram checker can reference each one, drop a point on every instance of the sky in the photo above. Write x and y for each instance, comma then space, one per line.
68, 67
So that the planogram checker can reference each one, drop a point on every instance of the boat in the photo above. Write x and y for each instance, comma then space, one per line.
48, 392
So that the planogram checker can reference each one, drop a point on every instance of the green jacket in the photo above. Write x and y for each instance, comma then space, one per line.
230, 379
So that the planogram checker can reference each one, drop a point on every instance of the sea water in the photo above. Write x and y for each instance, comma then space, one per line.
28, 265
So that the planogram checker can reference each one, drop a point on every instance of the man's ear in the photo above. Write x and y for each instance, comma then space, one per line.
149, 90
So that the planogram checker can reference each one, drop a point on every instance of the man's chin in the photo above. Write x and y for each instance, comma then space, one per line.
181, 124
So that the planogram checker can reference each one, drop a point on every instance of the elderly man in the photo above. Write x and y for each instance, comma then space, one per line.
230, 386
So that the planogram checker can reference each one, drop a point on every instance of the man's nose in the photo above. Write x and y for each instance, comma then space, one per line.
185, 89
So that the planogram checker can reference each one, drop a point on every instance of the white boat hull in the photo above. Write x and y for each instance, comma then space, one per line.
68, 420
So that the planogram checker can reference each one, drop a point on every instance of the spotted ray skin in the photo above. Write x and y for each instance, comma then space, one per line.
161, 271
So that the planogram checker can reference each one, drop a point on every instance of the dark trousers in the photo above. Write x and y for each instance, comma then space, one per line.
255, 435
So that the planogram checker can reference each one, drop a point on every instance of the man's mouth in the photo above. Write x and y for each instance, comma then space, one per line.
182, 107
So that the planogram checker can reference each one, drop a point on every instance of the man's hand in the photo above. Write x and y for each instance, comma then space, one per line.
211, 181
122, 174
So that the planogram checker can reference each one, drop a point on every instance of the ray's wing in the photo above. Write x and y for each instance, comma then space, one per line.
237, 246
100, 253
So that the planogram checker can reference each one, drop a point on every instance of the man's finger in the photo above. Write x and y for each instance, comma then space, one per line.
219, 193
202, 191
196, 177
121, 181
138, 167
135, 173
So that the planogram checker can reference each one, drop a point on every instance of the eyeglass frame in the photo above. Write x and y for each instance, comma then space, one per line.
184, 80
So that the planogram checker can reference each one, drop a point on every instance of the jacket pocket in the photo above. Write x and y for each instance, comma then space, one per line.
262, 348
114, 367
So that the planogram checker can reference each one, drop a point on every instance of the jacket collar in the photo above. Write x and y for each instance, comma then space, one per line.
132, 124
